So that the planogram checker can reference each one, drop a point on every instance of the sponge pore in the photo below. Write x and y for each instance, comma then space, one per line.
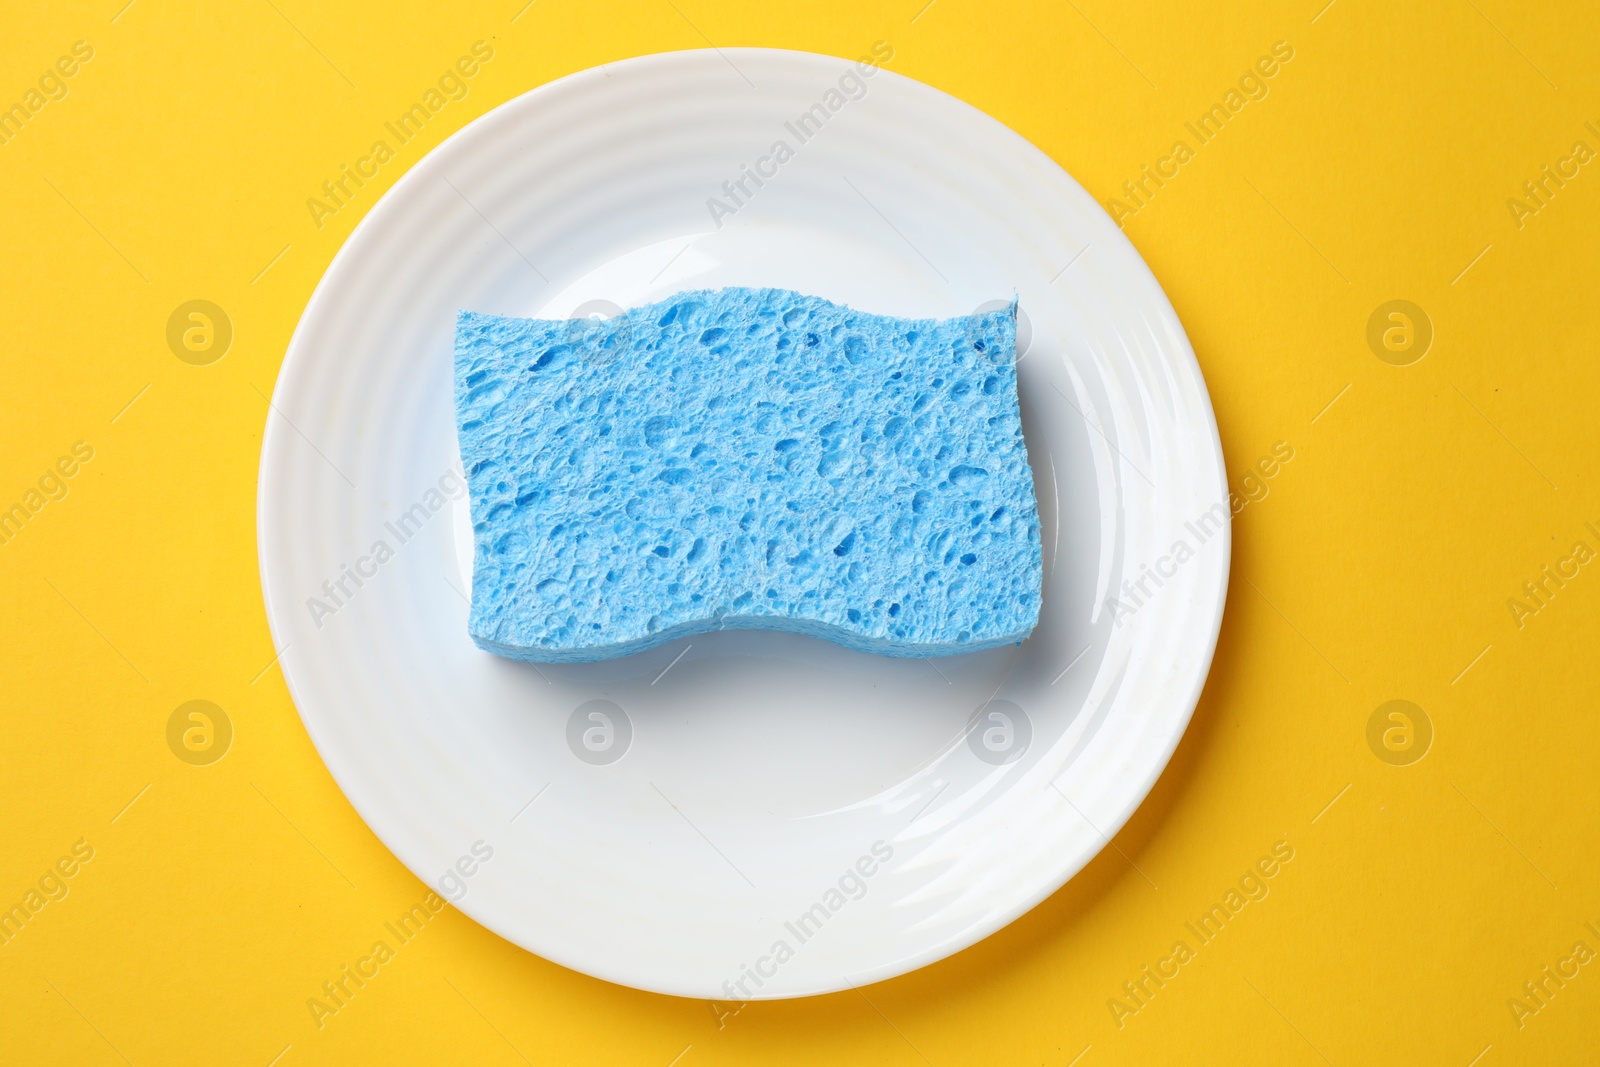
746, 458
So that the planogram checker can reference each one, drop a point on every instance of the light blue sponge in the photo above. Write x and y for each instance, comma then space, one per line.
749, 458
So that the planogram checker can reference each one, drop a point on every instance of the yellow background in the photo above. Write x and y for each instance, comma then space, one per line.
1378, 566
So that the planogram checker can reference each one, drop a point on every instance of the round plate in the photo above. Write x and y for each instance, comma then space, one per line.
741, 815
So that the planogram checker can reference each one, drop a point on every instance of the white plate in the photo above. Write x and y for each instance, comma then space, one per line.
756, 770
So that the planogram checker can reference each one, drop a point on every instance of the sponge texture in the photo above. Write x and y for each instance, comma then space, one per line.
745, 458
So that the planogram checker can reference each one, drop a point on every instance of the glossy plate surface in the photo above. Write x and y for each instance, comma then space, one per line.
741, 815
